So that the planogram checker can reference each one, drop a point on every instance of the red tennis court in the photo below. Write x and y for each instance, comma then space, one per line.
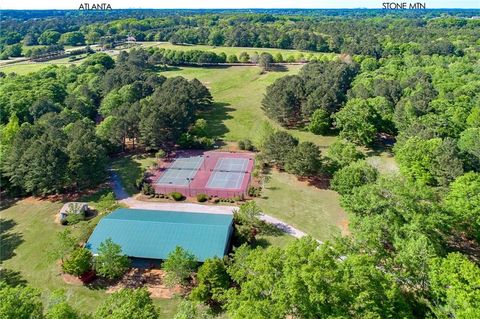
221, 174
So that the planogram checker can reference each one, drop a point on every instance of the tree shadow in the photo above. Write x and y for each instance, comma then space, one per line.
166, 68
9, 240
320, 181
215, 118
12, 278
7, 201
278, 68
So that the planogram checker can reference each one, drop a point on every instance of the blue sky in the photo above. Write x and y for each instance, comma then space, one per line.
118, 4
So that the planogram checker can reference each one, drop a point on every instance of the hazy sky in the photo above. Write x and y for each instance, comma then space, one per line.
119, 4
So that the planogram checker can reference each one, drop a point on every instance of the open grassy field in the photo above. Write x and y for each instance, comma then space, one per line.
237, 50
238, 92
28, 231
312, 210
29, 66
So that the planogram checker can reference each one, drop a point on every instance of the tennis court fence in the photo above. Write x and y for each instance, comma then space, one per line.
191, 192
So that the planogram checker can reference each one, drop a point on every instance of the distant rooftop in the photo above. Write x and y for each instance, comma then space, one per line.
153, 234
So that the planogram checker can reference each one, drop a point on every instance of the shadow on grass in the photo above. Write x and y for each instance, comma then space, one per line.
215, 118
279, 68
9, 240
128, 171
12, 278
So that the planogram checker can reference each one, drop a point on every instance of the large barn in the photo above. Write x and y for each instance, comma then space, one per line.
153, 234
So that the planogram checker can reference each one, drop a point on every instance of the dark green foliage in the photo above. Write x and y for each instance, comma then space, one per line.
127, 304
176, 196
283, 100
202, 198
179, 265
354, 175
292, 100
110, 262
277, 146
78, 263
171, 111
304, 160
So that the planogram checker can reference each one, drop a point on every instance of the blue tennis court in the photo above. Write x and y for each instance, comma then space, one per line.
226, 180
181, 172
231, 165
228, 173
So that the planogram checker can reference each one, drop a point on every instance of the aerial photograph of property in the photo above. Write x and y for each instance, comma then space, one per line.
208, 159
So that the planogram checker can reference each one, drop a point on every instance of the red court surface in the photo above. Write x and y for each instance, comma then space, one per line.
220, 174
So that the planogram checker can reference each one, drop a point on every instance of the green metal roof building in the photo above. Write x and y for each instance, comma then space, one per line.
153, 234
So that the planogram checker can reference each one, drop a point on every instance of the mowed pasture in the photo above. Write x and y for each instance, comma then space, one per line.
28, 234
26, 67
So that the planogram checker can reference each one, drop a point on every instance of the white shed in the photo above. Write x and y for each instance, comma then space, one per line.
72, 208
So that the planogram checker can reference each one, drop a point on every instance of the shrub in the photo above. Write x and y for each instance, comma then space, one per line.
139, 182
176, 196
245, 145
79, 262
147, 189
73, 218
241, 145
254, 191
160, 154
202, 198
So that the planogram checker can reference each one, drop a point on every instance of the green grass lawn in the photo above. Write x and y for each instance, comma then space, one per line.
27, 233
29, 66
312, 210
238, 92
237, 50
130, 168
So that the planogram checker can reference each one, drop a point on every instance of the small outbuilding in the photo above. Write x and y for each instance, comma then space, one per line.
153, 234
78, 208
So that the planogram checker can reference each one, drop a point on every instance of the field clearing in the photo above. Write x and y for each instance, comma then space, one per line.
237, 50
238, 92
312, 210
22, 68
28, 231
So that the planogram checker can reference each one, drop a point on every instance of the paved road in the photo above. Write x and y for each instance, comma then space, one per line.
123, 197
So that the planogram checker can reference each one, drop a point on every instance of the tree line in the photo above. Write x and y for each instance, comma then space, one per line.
373, 34
60, 124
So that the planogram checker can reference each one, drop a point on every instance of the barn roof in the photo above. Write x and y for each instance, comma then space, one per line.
153, 234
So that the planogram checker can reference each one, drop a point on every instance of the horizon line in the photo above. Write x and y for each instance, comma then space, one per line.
132, 8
